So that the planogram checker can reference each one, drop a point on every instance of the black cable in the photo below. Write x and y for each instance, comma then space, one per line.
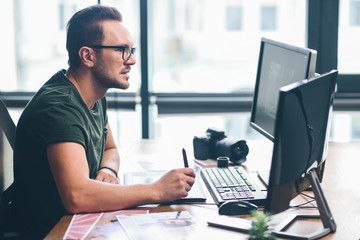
306, 195
302, 205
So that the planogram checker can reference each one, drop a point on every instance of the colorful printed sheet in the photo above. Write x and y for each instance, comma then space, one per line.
81, 224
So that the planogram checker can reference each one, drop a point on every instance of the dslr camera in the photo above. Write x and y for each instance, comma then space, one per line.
215, 144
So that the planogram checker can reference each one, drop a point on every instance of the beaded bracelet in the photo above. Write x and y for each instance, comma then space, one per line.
111, 169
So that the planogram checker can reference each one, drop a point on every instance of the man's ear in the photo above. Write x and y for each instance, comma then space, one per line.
87, 56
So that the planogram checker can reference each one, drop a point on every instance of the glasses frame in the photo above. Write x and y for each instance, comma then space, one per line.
131, 50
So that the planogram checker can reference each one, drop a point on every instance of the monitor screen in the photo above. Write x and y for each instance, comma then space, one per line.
279, 64
300, 137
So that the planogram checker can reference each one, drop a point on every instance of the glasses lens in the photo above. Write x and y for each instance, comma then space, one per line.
128, 52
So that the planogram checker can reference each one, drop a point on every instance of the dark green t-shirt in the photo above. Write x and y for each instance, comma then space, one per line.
56, 113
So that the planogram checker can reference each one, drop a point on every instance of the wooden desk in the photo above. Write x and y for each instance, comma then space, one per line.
340, 184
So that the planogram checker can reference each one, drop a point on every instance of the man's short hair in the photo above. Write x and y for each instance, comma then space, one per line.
84, 29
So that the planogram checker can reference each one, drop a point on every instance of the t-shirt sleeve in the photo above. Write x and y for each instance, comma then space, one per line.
62, 123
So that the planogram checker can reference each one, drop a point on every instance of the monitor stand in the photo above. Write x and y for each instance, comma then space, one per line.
324, 210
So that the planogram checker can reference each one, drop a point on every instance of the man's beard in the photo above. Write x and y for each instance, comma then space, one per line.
104, 80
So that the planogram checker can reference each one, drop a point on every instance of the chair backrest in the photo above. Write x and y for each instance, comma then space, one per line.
8, 127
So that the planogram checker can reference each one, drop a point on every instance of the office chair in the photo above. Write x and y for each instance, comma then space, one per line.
7, 216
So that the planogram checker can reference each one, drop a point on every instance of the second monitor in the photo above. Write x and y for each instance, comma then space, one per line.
279, 64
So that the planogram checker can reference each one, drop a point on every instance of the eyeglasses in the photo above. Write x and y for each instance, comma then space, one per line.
126, 51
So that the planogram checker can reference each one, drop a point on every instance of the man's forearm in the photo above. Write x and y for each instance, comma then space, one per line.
111, 159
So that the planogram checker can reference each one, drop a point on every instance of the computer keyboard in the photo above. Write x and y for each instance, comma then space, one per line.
232, 183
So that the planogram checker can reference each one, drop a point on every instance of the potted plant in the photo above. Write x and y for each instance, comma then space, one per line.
260, 228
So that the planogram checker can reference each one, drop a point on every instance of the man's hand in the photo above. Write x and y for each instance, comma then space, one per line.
174, 184
106, 175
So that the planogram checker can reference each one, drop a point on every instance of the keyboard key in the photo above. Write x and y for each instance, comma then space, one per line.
242, 195
249, 194
248, 182
227, 196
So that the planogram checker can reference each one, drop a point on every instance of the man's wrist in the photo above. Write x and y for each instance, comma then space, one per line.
111, 169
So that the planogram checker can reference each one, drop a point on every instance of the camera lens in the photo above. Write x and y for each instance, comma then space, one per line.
235, 150
239, 151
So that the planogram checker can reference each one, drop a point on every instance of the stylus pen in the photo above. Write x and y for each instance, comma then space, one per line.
185, 158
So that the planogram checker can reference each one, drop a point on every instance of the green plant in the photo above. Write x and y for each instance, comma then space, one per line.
260, 229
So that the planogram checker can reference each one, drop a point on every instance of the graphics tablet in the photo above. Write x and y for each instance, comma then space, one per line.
196, 194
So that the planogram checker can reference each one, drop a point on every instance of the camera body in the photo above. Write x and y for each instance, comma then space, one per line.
215, 144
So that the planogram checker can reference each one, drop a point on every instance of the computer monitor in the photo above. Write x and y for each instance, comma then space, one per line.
300, 140
279, 64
